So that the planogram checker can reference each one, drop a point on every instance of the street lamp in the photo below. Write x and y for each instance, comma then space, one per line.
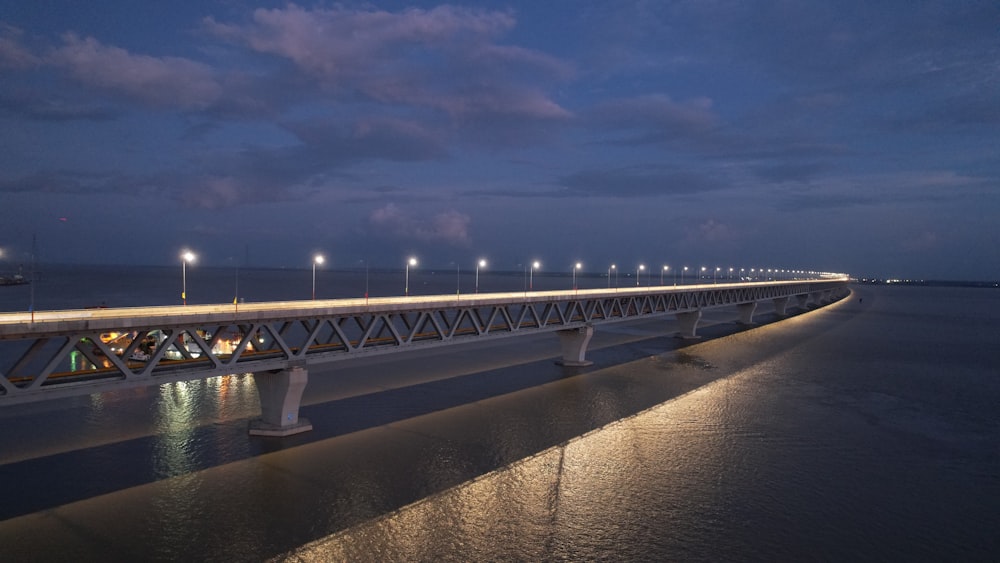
615, 268
318, 259
684, 271
411, 262
665, 268
637, 270
186, 256
480, 264
531, 274
716, 280
703, 268
576, 267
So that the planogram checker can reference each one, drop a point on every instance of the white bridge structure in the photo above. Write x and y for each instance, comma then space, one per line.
49, 354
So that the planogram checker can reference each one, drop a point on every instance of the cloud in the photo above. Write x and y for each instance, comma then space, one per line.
13, 55
215, 193
450, 226
922, 242
710, 231
162, 82
339, 42
442, 59
637, 182
890, 189
385, 138
659, 115
40, 107
790, 171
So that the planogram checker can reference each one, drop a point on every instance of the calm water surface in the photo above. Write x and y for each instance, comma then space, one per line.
867, 430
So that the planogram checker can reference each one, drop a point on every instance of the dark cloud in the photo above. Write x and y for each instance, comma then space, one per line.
334, 141
637, 182
790, 172
958, 113
891, 191
37, 106
657, 113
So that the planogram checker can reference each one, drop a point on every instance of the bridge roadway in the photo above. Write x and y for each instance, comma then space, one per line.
49, 354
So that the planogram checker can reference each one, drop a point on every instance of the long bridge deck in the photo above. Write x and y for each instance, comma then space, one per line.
47, 354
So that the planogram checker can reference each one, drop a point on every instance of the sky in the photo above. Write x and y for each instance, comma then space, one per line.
844, 136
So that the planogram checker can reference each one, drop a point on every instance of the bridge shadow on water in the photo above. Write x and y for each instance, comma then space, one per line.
563, 403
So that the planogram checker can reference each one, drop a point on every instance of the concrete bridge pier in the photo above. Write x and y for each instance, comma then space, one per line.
688, 324
803, 300
746, 312
574, 346
280, 396
781, 305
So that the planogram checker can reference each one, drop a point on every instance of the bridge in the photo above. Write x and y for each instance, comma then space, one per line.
50, 354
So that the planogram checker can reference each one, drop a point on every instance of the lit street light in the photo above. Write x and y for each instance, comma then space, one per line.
411, 262
637, 270
665, 268
318, 259
684, 271
613, 267
186, 256
531, 274
480, 264
703, 269
576, 267
716, 279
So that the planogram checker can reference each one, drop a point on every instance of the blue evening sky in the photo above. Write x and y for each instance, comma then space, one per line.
849, 136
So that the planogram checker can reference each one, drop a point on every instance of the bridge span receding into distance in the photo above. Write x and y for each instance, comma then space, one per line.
51, 354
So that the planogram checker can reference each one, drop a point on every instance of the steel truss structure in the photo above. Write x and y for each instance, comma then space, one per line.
79, 352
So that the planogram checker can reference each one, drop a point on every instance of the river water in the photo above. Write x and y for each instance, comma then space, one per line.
866, 430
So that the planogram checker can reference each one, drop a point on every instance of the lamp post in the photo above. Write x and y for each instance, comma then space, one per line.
615, 268
186, 256
531, 274
665, 268
318, 259
411, 262
576, 267
716, 278
480, 264
684, 271
703, 268
637, 270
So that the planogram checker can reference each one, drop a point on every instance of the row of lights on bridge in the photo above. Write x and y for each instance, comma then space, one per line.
318, 260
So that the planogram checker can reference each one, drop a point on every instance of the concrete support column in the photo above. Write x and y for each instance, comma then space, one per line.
746, 312
688, 324
803, 299
816, 297
780, 305
280, 395
574, 346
